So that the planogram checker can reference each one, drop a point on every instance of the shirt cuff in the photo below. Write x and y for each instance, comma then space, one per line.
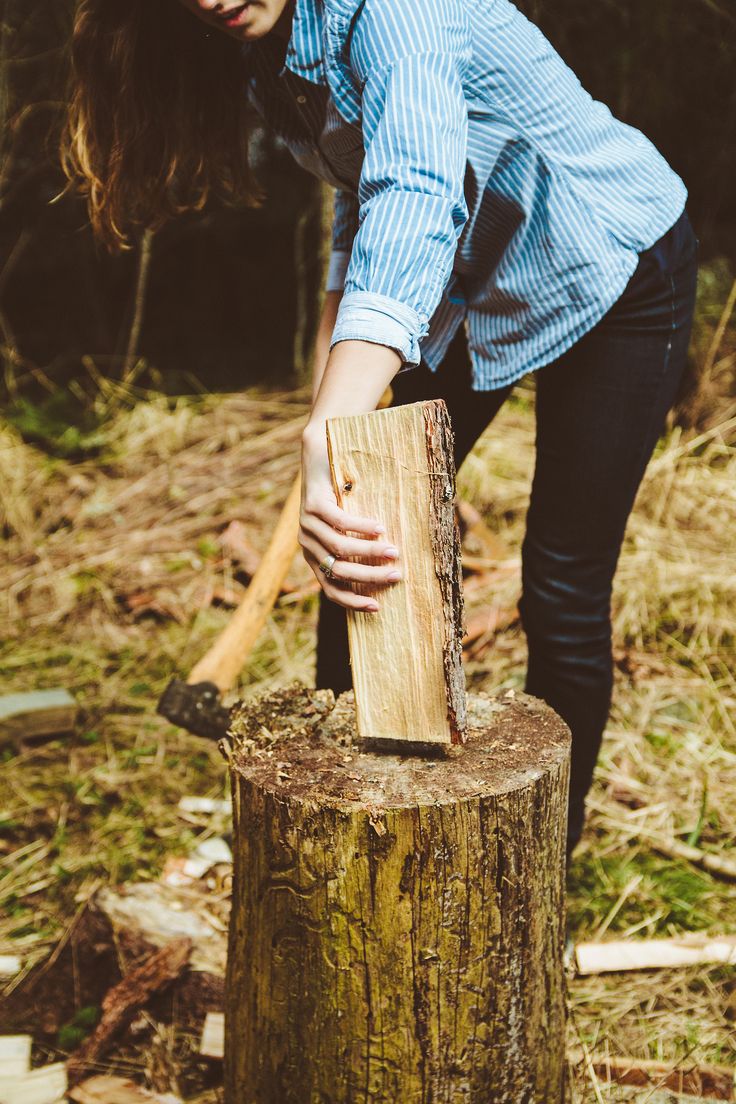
336, 269
367, 316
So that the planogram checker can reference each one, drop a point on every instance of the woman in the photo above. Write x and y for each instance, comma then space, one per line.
491, 218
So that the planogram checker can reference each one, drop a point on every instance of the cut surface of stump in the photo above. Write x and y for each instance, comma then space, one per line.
397, 923
397, 465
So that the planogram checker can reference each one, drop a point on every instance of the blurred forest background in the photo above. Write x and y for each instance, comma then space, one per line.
230, 298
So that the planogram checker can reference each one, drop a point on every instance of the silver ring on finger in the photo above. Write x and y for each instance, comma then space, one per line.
327, 565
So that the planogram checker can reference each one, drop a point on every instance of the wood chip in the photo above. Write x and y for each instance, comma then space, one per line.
212, 1044
205, 805
10, 965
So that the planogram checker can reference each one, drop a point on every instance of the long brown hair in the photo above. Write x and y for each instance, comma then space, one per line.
158, 120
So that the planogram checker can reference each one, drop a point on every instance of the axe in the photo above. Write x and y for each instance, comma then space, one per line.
195, 704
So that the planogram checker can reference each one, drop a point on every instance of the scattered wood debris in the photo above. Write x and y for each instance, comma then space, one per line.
37, 714
118, 1090
126, 998
710, 1082
652, 954
182, 871
212, 1044
154, 914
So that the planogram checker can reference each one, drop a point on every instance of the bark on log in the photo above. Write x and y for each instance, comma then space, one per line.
397, 923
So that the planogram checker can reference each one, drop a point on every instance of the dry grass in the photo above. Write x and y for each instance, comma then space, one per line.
142, 518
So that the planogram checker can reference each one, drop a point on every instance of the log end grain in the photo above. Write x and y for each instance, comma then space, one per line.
511, 741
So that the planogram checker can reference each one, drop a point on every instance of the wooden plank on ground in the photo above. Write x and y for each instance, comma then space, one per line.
46, 1085
15, 1055
397, 465
36, 714
649, 954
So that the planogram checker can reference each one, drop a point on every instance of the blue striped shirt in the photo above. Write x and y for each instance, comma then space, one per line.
476, 181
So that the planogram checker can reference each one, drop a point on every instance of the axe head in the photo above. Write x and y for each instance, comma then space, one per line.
195, 707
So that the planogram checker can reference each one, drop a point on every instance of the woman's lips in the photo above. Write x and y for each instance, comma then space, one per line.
232, 18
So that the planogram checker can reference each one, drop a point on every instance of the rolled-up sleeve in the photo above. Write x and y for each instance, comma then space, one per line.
410, 61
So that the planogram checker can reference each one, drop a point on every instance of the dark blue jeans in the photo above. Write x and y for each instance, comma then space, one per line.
600, 409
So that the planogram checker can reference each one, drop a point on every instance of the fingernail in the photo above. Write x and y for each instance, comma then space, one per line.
372, 608
380, 529
392, 553
393, 576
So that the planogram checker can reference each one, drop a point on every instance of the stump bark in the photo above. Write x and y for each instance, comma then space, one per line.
397, 924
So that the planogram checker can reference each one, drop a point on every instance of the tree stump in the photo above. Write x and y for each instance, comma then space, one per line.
397, 924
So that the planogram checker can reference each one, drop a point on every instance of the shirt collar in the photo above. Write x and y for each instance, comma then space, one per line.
305, 52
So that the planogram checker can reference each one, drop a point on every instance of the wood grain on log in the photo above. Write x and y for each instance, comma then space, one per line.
397, 924
397, 465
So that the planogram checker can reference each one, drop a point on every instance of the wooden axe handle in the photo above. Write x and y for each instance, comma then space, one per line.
224, 661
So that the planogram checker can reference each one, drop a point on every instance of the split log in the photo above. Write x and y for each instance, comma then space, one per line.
397, 923
397, 465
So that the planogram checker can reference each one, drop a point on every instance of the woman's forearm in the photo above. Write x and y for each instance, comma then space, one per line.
326, 325
354, 378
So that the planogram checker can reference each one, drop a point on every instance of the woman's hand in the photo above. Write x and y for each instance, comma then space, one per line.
323, 529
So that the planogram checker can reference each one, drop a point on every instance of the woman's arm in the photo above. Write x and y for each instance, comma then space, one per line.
327, 321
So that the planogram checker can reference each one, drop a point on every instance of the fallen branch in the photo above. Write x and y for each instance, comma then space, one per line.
675, 849
714, 1082
126, 998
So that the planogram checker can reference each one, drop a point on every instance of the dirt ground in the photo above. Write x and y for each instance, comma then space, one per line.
115, 577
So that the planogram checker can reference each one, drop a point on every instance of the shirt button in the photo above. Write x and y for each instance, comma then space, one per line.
301, 99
